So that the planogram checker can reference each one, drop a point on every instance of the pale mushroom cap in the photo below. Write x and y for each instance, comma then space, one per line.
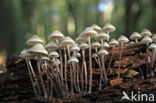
22, 52
74, 48
81, 40
135, 35
102, 51
105, 44
27, 55
38, 49
113, 42
44, 58
67, 41
146, 32
146, 39
56, 35
53, 54
88, 32
123, 39
96, 44
94, 55
102, 35
154, 37
51, 46
73, 60
152, 46
34, 40
78, 54
108, 28
132, 42
96, 28
83, 46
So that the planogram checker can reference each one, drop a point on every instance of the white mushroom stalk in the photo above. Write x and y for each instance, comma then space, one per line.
89, 33
39, 51
112, 43
122, 39
84, 46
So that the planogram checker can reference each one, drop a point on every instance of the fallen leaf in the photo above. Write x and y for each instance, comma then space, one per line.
116, 81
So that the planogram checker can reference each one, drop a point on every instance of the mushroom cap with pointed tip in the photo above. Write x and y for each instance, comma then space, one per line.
113, 42
56, 35
53, 54
146, 32
67, 41
106, 45
135, 35
152, 46
44, 58
51, 46
109, 28
88, 32
102, 35
102, 52
73, 60
94, 55
81, 40
96, 28
83, 46
38, 49
146, 39
154, 37
74, 48
25, 54
123, 39
35, 39
96, 44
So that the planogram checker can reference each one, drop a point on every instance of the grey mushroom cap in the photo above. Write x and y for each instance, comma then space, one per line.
123, 39
146, 32
35, 39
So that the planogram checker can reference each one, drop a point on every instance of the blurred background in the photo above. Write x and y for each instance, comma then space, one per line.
20, 19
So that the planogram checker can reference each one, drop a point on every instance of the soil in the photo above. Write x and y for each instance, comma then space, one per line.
16, 87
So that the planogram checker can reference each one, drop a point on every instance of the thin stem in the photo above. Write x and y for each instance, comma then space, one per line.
77, 77
120, 60
109, 69
103, 67
90, 67
71, 80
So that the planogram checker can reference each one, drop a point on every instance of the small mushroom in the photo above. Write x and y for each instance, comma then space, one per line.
97, 28
34, 40
135, 36
122, 39
112, 43
154, 38
89, 33
146, 32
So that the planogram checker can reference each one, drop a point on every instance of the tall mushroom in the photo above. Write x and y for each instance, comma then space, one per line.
89, 33
84, 46
122, 39
73, 60
38, 50
102, 53
112, 43
147, 40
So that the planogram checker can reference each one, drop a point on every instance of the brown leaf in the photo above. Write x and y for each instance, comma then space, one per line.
116, 81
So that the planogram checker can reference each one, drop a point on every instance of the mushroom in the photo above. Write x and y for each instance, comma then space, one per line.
147, 40
102, 53
154, 38
122, 39
84, 46
146, 32
135, 36
108, 28
34, 40
89, 33
97, 28
27, 56
51, 46
38, 50
112, 43
153, 47
74, 48
72, 61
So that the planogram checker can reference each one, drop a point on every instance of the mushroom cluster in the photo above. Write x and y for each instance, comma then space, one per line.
58, 62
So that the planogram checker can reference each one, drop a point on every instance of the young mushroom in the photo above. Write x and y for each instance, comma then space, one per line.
83, 47
38, 50
112, 43
34, 40
102, 53
146, 32
135, 36
147, 40
89, 33
122, 39
73, 60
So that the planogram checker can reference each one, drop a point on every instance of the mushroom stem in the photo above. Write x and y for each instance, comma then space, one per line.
77, 73
136, 40
153, 59
90, 66
42, 82
120, 60
31, 78
71, 80
34, 76
109, 69
61, 65
148, 60
103, 67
